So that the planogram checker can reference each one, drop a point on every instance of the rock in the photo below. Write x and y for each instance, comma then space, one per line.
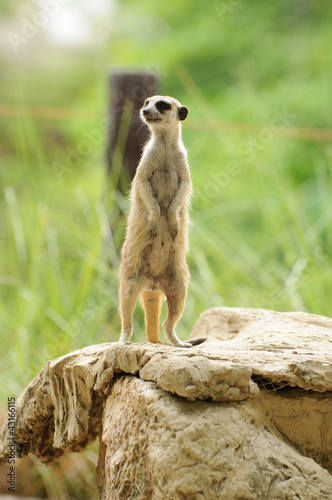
166, 448
225, 323
247, 414
286, 348
303, 419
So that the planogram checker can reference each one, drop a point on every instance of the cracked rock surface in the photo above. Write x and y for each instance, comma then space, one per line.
261, 383
161, 447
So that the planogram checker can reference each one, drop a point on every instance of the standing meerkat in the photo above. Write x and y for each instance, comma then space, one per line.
153, 256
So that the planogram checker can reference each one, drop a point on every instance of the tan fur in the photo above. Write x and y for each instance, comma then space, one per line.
153, 256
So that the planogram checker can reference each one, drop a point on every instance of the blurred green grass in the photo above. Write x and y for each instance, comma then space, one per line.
261, 213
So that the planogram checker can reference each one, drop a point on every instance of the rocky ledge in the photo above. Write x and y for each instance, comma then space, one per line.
245, 415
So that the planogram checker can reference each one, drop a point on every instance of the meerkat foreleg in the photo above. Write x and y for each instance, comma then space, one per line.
145, 190
182, 193
152, 302
128, 295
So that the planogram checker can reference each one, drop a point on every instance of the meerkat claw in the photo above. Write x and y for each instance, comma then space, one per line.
152, 228
184, 344
153, 234
174, 231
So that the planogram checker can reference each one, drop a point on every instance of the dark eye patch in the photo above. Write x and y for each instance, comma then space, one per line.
163, 106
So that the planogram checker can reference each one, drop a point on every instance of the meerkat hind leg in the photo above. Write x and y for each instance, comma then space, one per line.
129, 293
152, 306
175, 305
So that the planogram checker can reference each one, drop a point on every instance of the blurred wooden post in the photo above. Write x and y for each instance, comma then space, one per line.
129, 89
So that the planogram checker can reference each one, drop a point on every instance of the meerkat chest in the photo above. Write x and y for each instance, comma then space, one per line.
164, 182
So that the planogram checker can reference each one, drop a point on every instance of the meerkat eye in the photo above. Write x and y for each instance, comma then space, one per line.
163, 106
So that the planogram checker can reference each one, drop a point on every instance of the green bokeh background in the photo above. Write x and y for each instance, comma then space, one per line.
261, 215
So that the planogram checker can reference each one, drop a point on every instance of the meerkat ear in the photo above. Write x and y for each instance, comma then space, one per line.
183, 112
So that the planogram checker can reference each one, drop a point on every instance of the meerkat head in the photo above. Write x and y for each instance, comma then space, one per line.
161, 111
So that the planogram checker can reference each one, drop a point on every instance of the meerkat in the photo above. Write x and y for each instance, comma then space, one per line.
153, 256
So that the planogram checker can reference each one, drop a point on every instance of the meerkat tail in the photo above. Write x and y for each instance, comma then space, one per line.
152, 306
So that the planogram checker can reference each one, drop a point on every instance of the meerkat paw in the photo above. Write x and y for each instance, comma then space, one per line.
174, 229
152, 228
125, 337
183, 344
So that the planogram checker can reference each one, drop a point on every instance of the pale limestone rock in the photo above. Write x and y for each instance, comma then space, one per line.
166, 449
304, 419
248, 353
224, 323
290, 348
198, 377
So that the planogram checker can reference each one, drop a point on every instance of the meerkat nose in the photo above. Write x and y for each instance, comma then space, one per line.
146, 112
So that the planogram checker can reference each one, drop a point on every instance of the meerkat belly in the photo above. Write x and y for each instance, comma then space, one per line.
165, 182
